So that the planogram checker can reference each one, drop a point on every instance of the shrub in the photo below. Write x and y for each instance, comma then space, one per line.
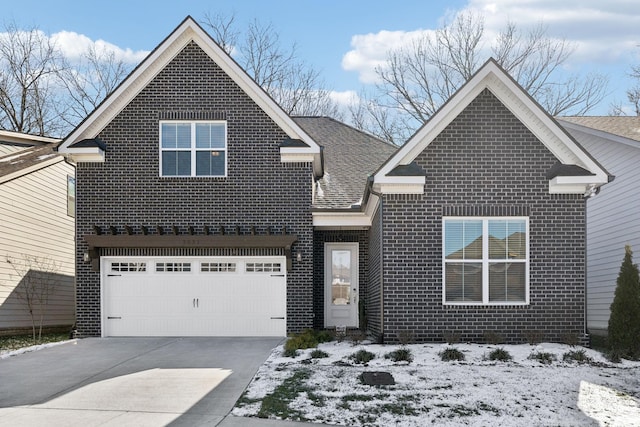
319, 354
451, 337
306, 339
358, 336
571, 338
624, 321
290, 352
533, 336
492, 337
579, 356
362, 357
543, 357
500, 354
450, 354
400, 355
405, 337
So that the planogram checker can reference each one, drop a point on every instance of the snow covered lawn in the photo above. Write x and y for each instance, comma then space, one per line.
476, 391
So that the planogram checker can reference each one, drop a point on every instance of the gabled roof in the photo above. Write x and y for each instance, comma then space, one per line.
625, 126
188, 31
351, 156
25, 161
494, 78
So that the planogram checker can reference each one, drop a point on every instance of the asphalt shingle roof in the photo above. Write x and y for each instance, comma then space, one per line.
350, 156
26, 158
625, 126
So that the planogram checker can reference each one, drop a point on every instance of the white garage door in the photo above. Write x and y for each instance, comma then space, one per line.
194, 296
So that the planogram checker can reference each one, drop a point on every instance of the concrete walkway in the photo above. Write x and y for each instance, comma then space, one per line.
133, 382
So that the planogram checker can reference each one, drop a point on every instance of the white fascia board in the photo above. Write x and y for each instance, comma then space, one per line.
574, 184
399, 184
296, 157
85, 155
24, 138
341, 220
346, 220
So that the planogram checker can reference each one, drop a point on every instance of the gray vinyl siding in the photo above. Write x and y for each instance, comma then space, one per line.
613, 221
34, 223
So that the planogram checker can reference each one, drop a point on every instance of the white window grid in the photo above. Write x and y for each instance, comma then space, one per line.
218, 267
173, 267
129, 267
485, 262
193, 150
263, 267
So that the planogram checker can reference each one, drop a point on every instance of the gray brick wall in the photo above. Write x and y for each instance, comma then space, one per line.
376, 265
259, 191
484, 163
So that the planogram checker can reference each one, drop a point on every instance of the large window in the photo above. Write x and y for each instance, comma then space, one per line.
486, 260
193, 148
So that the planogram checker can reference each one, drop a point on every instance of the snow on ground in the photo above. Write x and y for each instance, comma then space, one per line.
475, 392
5, 354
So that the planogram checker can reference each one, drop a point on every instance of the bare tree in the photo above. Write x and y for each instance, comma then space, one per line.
39, 279
416, 80
291, 82
88, 82
29, 65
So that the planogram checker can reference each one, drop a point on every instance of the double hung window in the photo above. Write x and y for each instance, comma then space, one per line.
486, 260
193, 148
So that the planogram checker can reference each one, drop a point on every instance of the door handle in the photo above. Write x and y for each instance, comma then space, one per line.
198, 302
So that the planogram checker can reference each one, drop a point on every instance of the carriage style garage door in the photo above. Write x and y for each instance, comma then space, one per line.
194, 296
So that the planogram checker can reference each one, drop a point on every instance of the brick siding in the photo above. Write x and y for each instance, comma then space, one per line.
259, 190
486, 162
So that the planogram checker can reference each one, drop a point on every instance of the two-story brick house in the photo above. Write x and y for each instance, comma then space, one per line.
204, 209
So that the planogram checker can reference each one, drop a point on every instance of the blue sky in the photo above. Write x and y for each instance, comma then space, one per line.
346, 39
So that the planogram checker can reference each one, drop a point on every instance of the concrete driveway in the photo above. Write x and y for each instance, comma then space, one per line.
130, 381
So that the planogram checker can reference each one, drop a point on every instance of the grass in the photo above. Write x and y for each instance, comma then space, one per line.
15, 342
276, 404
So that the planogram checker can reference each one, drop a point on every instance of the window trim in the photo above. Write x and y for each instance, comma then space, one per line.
71, 196
193, 149
485, 260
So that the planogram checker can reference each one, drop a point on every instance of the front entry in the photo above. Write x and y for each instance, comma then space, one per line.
341, 285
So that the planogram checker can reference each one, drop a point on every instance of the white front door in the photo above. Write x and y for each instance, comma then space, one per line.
341, 284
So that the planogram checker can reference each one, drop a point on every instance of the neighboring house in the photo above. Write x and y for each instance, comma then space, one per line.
205, 210
613, 218
36, 232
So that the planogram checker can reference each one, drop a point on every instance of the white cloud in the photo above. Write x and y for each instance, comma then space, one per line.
370, 51
602, 32
344, 98
74, 45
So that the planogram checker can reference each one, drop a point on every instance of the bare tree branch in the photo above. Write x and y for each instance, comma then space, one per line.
416, 80
29, 64
291, 82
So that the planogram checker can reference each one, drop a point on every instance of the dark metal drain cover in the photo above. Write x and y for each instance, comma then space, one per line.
377, 378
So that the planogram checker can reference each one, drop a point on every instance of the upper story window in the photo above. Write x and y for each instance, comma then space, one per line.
193, 148
486, 260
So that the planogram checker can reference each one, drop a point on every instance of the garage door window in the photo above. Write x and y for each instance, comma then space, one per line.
168, 267
263, 267
129, 266
218, 267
